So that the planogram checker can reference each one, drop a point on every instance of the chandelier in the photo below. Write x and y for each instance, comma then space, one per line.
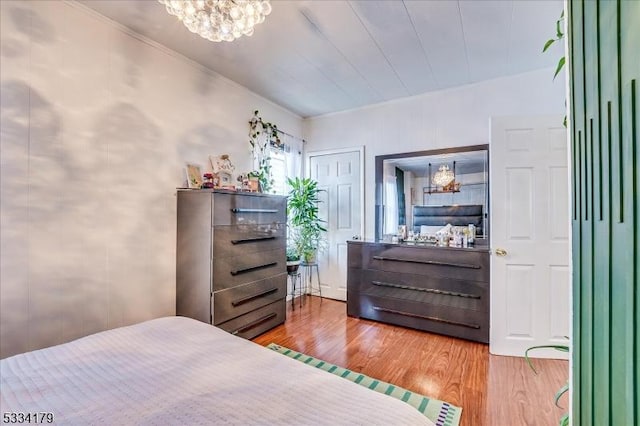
219, 20
444, 176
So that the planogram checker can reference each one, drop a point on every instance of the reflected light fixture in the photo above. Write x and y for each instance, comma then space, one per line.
219, 20
444, 176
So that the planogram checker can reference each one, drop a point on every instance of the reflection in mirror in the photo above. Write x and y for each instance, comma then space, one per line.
427, 190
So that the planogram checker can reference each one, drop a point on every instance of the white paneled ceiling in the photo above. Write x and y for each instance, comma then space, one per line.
317, 57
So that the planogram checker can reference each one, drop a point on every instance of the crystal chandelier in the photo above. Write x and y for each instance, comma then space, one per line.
443, 176
219, 20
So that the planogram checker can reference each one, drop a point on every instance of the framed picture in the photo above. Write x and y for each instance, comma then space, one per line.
194, 175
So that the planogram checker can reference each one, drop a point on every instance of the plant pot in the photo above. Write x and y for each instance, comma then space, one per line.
310, 258
292, 266
254, 184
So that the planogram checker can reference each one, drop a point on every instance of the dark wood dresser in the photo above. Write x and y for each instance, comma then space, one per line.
438, 289
231, 263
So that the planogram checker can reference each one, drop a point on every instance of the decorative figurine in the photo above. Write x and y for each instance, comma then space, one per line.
208, 181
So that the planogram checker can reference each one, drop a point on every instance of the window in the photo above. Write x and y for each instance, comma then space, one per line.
286, 162
279, 172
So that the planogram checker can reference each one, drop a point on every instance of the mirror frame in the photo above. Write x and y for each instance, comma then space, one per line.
379, 171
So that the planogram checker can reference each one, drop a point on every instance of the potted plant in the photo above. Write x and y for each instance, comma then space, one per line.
306, 230
293, 260
262, 177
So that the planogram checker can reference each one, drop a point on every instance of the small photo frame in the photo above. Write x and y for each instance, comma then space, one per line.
225, 179
194, 175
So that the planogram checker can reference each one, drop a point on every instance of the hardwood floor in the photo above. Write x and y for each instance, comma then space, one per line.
492, 390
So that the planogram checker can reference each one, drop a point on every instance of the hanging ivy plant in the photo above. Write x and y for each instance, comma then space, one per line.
262, 135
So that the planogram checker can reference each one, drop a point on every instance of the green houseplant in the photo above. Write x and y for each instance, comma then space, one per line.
306, 229
564, 420
561, 62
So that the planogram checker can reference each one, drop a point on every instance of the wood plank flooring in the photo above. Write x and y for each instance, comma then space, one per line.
492, 390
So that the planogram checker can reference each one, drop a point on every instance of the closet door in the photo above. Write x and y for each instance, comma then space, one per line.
339, 174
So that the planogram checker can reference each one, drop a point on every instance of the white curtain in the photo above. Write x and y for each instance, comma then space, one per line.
390, 203
286, 161
293, 153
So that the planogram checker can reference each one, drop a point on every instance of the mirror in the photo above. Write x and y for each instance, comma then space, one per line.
425, 190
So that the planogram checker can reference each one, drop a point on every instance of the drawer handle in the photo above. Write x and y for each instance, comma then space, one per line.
244, 300
428, 262
426, 290
442, 320
236, 210
253, 268
252, 240
255, 323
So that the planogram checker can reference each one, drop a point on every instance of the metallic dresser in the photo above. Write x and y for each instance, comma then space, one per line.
231, 263
439, 289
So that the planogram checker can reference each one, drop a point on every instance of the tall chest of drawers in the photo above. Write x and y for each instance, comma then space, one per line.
231, 263
437, 289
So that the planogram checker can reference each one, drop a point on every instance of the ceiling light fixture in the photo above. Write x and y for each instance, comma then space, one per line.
219, 20
444, 176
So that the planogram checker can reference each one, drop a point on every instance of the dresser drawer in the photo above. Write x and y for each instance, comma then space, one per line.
238, 240
469, 301
256, 322
236, 301
432, 261
235, 270
428, 289
464, 323
240, 209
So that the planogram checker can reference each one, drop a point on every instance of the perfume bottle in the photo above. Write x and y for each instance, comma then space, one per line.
472, 233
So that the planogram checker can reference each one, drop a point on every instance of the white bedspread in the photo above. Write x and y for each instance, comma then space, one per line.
180, 371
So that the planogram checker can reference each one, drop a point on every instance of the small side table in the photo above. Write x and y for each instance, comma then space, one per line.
295, 278
307, 277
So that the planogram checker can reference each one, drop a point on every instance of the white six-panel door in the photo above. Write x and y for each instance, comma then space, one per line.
339, 174
530, 225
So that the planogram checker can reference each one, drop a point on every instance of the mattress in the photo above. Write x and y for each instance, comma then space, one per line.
176, 370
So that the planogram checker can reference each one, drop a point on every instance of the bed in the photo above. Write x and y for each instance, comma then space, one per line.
177, 370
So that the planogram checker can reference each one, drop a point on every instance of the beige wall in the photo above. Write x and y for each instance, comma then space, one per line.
97, 124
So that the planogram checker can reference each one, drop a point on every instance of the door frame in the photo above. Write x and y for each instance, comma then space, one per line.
360, 150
